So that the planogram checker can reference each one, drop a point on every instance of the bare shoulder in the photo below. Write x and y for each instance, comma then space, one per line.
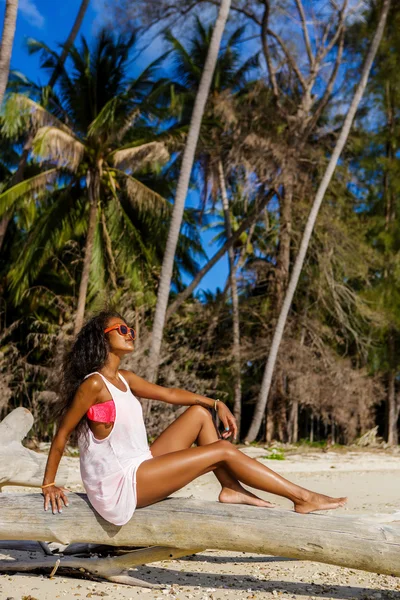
92, 384
86, 395
89, 391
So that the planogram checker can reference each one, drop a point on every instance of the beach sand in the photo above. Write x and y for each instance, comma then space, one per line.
371, 480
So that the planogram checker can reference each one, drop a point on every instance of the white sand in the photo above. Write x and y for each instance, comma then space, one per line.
371, 480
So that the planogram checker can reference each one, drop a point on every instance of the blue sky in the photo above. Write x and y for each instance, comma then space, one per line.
51, 22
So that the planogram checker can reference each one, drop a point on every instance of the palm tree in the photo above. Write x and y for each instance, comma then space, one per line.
269, 368
230, 77
182, 188
7, 41
87, 137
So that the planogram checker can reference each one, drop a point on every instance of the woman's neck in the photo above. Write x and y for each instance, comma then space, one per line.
110, 367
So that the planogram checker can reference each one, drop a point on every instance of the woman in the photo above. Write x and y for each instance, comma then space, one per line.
119, 470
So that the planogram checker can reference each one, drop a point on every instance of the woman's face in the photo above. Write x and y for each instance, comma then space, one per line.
120, 344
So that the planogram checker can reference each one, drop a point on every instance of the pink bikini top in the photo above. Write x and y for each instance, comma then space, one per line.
103, 412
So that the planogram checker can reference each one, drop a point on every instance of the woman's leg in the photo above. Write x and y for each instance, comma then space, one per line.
161, 476
196, 425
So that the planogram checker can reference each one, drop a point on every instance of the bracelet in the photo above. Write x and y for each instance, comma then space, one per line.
47, 484
215, 404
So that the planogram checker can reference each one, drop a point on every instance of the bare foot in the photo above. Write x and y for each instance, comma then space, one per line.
242, 496
314, 501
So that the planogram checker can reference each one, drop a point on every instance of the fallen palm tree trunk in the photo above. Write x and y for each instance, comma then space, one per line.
180, 526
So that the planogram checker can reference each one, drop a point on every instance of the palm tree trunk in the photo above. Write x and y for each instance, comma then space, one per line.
269, 368
391, 404
94, 197
4, 221
269, 423
312, 426
392, 435
237, 403
281, 409
181, 192
70, 41
7, 40
293, 427
283, 262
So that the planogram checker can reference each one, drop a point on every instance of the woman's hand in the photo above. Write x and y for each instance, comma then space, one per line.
54, 495
228, 420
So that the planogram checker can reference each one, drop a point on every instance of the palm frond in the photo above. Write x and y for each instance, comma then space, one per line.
142, 198
239, 78
29, 187
51, 230
138, 157
20, 111
19, 83
106, 117
235, 37
128, 122
51, 143
142, 85
48, 57
185, 66
128, 239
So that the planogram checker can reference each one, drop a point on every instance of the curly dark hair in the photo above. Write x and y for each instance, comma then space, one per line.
88, 353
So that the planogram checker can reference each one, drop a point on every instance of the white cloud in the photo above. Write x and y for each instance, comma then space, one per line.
31, 13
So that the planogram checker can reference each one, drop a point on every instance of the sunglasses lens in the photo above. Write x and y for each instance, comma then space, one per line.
123, 329
133, 333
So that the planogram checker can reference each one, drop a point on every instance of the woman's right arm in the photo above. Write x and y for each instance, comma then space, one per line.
84, 398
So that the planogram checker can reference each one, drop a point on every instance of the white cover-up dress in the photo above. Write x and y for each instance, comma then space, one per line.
108, 466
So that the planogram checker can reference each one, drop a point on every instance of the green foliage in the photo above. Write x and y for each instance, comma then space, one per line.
316, 444
275, 454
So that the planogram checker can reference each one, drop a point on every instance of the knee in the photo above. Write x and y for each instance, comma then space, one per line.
226, 448
199, 411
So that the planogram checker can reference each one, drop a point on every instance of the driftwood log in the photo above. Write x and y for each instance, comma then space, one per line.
180, 526
177, 527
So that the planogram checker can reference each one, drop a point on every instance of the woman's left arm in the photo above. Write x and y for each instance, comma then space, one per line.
145, 389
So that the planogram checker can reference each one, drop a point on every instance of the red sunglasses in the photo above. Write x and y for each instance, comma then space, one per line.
122, 330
